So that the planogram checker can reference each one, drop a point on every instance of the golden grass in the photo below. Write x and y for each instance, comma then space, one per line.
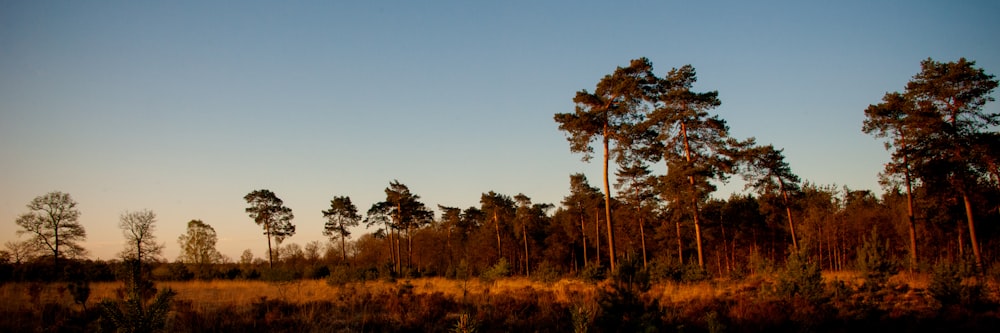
224, 293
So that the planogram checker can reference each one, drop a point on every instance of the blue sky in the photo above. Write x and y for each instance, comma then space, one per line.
184, 107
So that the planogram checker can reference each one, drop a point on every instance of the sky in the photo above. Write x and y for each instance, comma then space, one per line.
184, 107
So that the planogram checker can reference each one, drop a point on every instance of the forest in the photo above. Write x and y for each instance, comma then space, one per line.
651, 246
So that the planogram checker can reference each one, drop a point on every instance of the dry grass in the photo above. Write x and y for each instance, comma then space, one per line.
224, 293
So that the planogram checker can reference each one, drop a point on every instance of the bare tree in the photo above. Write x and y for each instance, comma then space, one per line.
140, 243
53, 226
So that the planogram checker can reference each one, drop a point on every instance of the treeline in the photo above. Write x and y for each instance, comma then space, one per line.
941, 199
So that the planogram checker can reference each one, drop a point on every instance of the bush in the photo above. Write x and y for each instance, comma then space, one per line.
875, 263
279, 275
317, 272
546, 272
498, 271
948, 288
340, 275
631, 276
800, 278
592, 273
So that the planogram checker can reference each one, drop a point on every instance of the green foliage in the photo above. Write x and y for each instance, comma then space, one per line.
465, 324
671, 271
134, 314
500, 270
546, 272
342, 275
800, 278
630, 275
623, 310
948, 284
592, 273
874, 262
581, 317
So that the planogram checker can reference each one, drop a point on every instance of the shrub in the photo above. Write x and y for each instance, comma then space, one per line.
317, 272
875, 263
498, 271
592, 273
279, 274
546, 272
948, 288
341, 275
630, 275
800, 278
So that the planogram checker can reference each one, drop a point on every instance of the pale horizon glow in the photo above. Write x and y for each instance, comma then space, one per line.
184, 107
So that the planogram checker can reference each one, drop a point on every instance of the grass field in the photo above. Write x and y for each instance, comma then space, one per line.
511, 304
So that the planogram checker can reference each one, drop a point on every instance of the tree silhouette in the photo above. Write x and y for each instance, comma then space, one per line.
140, 243
341, 216
52, 224
269, 212
198, 246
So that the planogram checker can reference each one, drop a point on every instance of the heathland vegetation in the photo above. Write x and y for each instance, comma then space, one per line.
661, 253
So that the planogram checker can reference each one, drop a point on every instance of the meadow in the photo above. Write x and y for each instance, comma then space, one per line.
753, 304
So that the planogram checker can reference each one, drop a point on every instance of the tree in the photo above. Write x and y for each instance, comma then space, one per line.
140, 243
608, 115
198, 246
767, 171
53, 226
948, 125
887, 120
407, 213
341, 216
18, 252
636, 182
269, 212
500, 209
694, 143
526, 216
582, 199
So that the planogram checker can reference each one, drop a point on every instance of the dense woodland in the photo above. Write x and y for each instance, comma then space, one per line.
668, 151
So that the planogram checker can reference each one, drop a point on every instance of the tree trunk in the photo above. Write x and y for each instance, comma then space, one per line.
583, 235
911, 219
524, 233
680, 244
597, 237
270, 255
55, 243
972, 230
694, 197
343, 246
642, 236
788, 212
607, 203
496, 224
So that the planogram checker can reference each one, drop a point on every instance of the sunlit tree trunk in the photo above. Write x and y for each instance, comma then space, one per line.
788, 212
972, 230
694, 198
496, 225
607, 202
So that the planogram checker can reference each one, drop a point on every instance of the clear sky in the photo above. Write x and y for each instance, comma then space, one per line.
183, 107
